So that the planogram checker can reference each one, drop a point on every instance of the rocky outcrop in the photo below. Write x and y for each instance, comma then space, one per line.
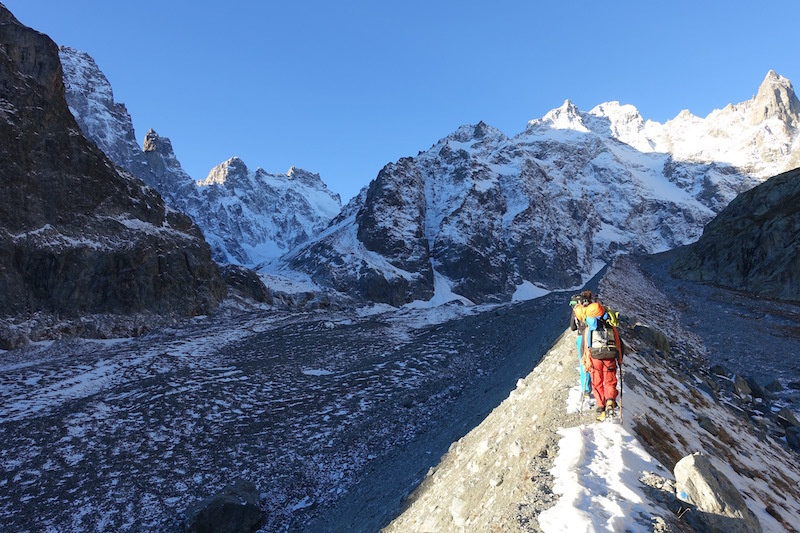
776, 99
753, 244
720, 505
246, 283
77, 234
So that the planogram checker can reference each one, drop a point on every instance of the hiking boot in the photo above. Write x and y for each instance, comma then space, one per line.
599, 409
601, 416
611, 405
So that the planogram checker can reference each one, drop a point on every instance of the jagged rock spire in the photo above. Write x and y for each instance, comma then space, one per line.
776, 99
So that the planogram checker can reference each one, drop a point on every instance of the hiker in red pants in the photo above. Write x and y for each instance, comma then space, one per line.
601, 350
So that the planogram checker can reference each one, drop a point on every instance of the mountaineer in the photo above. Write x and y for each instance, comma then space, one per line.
602, 349
580, 326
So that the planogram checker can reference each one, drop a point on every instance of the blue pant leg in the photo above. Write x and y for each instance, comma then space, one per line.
586, 380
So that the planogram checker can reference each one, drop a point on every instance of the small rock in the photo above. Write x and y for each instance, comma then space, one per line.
707, 424
496, 482
719, 370
458, 508
774, 386
234, 509
786, 418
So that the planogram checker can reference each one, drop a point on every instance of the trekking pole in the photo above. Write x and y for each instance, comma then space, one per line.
621, 386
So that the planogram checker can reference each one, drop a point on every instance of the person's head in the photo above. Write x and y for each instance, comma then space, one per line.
585, 298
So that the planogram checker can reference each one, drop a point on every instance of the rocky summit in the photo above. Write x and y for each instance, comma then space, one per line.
78, 235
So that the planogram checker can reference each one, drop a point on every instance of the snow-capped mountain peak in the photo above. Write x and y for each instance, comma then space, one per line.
250, 217
247, 216
566, 117
228, 173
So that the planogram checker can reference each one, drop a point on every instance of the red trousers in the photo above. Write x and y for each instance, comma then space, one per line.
604, 380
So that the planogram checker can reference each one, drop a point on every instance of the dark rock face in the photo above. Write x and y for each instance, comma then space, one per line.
753, 244
78, 235
392, 223
247, 283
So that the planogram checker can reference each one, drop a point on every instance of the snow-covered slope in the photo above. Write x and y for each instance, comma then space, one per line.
551, 205
247, 217
758, 137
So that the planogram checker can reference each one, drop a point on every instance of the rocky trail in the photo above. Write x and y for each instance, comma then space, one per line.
536, 464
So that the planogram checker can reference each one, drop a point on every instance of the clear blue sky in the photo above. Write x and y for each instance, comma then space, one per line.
343, 88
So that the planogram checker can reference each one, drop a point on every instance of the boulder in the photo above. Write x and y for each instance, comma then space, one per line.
757, 389
741, 387
719, 504
787, 419
234, 509
774, 386
793, 438
719, 370
653, 337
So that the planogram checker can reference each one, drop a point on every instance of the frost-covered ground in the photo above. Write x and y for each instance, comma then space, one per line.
122, 436
338, 416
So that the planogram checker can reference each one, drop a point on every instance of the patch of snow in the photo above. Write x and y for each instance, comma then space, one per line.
316, 372
528, 291
597, 473
442, 294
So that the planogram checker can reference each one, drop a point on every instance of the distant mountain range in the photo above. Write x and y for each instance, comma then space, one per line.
248, 217
490, 215
480, 214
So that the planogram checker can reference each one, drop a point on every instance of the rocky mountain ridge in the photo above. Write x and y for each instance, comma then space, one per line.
78, 235
248, 217
489, 215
